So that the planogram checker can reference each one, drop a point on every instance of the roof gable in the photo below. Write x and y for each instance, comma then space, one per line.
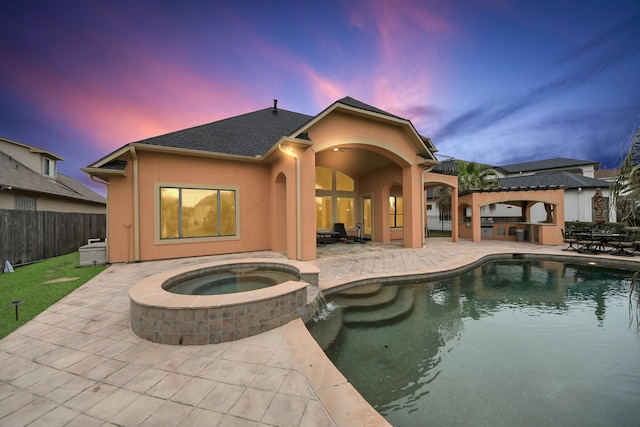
423, 145
31, 148
351, 102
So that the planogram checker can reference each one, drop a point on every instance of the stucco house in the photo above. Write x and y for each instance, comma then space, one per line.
29, 180
268, 180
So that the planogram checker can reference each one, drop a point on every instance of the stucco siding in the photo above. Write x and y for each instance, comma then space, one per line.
347, 130
253, 202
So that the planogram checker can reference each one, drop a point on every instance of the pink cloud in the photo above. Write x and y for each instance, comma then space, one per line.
408, 35
324, 90
120, 106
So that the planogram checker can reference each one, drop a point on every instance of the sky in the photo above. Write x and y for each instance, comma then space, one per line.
491, 81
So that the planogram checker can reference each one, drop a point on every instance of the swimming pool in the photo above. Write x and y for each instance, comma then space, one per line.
512, 342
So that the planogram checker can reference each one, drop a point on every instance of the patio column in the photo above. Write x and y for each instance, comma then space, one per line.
455, 214
307, 204
475, 218
412, 200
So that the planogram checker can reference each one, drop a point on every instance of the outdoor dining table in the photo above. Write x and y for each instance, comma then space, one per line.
604, 238
594, 241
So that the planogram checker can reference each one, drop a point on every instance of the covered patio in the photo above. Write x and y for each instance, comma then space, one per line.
546, 232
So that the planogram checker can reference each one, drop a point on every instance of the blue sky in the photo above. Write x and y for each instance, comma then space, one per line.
494, 81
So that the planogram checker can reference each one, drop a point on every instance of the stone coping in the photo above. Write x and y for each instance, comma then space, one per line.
335, 286
343, 402
149, 291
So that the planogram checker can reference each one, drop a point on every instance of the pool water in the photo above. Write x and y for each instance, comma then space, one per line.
508, 343
239, 279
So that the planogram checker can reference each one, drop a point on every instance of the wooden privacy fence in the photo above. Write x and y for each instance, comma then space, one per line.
27, 236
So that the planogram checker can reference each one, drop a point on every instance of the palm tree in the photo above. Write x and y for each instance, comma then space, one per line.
626, 187
471, 176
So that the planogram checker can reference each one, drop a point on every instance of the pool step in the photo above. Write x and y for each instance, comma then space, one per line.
384, 295
363, 290
402, 305
326, 335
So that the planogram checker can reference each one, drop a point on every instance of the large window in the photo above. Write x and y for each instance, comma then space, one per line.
196, 212
396, 212
335, 196
324, 213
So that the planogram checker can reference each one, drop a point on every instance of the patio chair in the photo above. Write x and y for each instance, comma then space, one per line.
626, 245
569, 239
586, 242
338, 227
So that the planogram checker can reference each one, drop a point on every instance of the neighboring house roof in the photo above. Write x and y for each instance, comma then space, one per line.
607, 174
446, 167
32, 149
567, 180
541, 165
16, 175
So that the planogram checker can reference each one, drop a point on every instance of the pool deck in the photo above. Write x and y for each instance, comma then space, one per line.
79, 364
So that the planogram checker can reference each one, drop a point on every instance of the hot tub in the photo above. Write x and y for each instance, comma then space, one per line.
163, 317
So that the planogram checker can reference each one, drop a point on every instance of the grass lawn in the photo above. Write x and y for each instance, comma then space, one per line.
39, 285
436, 233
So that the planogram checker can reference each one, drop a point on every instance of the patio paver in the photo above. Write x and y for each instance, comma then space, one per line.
78, 363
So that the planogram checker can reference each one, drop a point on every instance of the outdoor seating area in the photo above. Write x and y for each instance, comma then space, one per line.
338, 234
597, 241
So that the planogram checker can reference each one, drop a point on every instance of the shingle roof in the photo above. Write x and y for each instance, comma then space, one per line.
567, 180
446, 167
251, 134
538, 165
347, 100
16, 175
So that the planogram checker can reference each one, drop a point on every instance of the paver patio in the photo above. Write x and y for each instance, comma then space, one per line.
79, 364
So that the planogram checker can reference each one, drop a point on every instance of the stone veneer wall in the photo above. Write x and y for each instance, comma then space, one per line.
213, 325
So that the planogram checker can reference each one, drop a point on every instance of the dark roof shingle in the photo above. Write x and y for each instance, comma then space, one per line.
251, 134
351, 102
539, 165
566, 180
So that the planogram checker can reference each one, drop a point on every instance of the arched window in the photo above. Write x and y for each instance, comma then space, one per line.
335, 196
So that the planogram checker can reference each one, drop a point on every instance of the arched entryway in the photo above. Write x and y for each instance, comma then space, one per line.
434, 180
370, 190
